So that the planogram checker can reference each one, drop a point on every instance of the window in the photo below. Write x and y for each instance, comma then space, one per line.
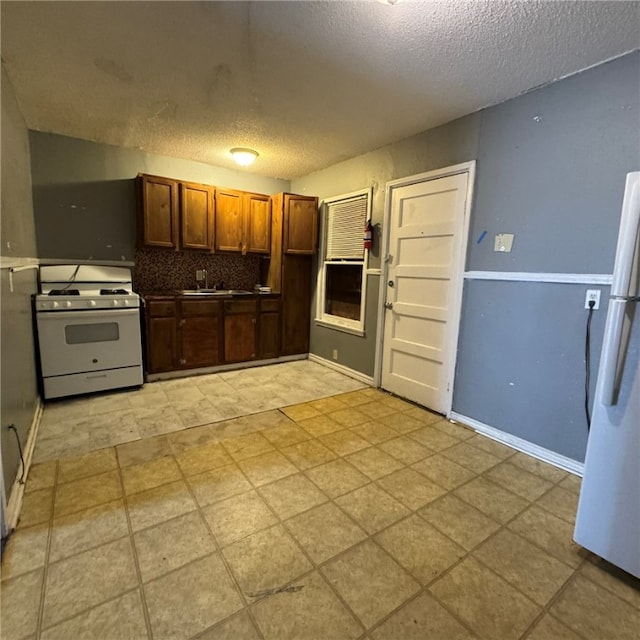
342, 273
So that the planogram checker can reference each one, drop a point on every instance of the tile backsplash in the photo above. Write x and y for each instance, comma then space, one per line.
162, 269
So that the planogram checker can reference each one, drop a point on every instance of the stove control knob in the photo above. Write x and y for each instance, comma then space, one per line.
55, 305
126, 303
68, 303
92, 303
115, 303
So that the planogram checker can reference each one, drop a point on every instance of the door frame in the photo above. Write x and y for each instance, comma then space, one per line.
456, 307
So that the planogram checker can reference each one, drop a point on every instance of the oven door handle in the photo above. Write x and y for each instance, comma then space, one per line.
88, 314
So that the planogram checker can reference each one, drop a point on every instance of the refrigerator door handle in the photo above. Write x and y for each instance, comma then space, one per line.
611, 356
626, 264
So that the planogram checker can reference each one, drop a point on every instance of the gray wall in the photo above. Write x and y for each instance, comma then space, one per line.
521, 360
550, 168
84, 194
19, 387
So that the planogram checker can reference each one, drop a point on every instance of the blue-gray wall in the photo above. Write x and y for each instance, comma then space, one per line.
551, 167
84, 194
18, 371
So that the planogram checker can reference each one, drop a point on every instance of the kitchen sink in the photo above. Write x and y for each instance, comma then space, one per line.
221, 293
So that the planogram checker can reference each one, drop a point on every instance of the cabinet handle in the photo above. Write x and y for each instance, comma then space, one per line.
253, 320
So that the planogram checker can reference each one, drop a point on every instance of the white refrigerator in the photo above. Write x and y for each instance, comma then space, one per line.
608, 519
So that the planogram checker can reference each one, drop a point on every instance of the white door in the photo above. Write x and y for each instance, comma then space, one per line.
423, 291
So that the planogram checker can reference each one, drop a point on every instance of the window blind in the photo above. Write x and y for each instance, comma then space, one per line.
345, 226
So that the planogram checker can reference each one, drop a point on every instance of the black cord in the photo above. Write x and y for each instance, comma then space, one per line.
73, 278
587, 360
12, 427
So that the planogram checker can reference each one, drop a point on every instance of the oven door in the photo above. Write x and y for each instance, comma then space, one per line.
79, 341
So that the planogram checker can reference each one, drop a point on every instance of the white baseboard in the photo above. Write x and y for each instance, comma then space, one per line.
340, 368
534, 450
14, 504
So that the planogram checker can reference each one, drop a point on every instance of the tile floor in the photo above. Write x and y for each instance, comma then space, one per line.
76, 426
355, 516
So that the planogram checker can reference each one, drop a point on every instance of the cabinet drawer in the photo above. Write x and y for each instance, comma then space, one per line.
240, 306
199, 307
160, 308
270, 305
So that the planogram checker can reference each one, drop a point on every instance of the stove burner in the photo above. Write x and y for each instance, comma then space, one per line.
64, 292
114, 292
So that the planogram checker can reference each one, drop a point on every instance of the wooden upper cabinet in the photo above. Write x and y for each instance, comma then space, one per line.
176, 214
257, 214
196, 216
300, 230
243, 221
159, 226
229, 220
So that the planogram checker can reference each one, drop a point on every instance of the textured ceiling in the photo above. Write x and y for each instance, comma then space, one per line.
307, 84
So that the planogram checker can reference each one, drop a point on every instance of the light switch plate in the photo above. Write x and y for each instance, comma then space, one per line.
503, 242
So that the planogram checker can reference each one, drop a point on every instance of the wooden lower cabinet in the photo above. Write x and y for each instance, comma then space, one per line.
200, 334
296, 304
240, 330
239, 337
161, 344
189, 334
269, 328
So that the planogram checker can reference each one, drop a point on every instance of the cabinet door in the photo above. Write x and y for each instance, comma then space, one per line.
300, 224
239, 337
159, 212
199, 341
161, 344
296, 304
196, 210
229, 222
269, 344
257, 211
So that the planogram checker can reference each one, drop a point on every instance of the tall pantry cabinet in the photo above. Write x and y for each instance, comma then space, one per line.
294, 236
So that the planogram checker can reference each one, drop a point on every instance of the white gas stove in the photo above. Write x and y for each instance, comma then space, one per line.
77, 287
88, 321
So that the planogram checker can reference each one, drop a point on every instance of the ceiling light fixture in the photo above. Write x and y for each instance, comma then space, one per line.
244, 157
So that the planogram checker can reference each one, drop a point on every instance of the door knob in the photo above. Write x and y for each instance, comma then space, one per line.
390, 283
388, 305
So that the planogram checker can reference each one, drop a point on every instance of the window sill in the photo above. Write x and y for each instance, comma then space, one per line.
339, 327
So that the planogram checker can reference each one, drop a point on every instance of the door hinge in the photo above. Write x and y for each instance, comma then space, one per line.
388, 258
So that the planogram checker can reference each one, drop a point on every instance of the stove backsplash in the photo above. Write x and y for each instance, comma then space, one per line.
160, 269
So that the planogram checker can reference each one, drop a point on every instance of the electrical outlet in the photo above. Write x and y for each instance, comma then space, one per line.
335, 354
592, 295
